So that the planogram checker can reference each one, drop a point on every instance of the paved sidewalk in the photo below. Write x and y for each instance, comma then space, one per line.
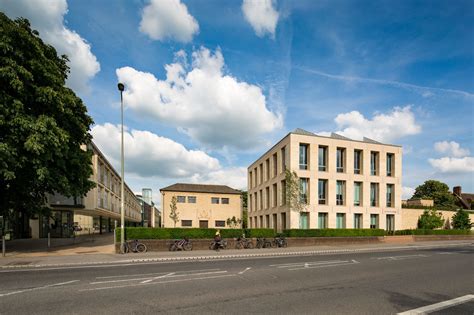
102, 255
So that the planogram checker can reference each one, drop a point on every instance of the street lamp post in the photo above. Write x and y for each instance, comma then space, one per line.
121, 88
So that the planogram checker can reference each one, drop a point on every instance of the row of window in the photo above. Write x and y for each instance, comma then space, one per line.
341, 160
258, 202
193, 199
358, 222
258, 176
203, 223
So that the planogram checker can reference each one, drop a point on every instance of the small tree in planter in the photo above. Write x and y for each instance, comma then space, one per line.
174, 214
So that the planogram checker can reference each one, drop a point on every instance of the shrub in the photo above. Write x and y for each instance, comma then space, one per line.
430, 219
196, 233
259, 233
461, 220
333, 232
432, 232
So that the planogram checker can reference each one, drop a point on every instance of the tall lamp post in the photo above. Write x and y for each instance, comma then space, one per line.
121, 88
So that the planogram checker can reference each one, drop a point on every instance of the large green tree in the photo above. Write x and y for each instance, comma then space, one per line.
436, 190
42, 124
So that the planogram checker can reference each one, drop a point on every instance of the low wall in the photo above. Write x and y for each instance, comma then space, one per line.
410, 217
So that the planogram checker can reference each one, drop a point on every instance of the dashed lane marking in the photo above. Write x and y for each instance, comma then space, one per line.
246, 269
38, 288
439, 306
400, 257
170, 275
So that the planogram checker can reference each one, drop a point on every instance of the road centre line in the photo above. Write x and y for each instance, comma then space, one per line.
307, 266
400, 257
246, 269
172, 274
302, 263
159, 277
439, 306
159, 282
152, 274
38, 288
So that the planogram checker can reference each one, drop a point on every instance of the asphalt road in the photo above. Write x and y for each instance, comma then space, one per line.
353, 283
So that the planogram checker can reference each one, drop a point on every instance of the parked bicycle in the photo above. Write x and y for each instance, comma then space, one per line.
243, 242
218, 244
280, 241
134, 246
264, 243
184, 244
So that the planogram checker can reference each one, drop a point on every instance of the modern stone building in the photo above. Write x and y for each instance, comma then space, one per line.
200, 206
344, 183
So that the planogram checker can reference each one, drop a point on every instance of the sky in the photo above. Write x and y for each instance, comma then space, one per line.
211, 85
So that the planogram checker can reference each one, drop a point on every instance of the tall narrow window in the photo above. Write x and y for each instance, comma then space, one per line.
255, 183
322, 158
267, 197
304, 220
340, 192
275, 165
340, 157
340, 220
283, 192
374, 194
322, 220
303, 156
283, 159
304, 190
390, 163
275, 195
256, 202
250, 180
267, 169
358, 161
261, 199
358, 221
389, 195
260, 171
374, 161
374, 221
357, 193
322, 191
250, 203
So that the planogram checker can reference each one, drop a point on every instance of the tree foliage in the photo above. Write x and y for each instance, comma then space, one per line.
436, 190
461, 220
430, 219
174, 214
42, 123
292, 195
233, 222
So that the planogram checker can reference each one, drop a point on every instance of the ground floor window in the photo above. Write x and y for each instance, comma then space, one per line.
340, 220
186, 222
390, 222
323, 220
304, 220
220, 223
358, 221
203, 224
283, 221
374, 221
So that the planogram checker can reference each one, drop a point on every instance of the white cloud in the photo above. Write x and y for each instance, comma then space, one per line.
213, 108
148, 154
407, 192
398, 123
163, 19
451, 148
453, 165
261, 15
235, 177
48, 18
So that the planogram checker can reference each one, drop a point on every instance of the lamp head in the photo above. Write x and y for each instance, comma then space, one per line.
121, 87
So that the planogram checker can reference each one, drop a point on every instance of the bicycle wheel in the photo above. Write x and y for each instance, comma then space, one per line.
285, 243
212, 246
249, 245
238, 245
141, 248
188, 246
273, 244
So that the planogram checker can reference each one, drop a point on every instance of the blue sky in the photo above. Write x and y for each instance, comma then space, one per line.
216, 83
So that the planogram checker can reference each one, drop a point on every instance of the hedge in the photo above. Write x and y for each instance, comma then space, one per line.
432, 232
192, 233
333, 232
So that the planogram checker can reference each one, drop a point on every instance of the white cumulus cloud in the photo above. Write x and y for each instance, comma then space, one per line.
148, 154
163, 19
235, 177
213, 108
48, 18
453, 165
407, 192
261, 15
398, 123
451, 148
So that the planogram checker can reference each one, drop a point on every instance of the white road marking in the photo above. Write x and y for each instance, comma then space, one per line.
159, 282
159, 277
401, 257
246, 269
38, 288
309, 266
302, 263
439, 306
446, 253
172, 274
151, 274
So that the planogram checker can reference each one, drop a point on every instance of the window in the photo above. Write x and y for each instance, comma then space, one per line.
374, 194
340, 220
250, 180
255, 183
358, 161
390, 160
322, 158
322, 191
323, 220
251, 222
267, 197
275, 165
225, 201
203, 224
261, 199
390, 222
267, 168
374, 221
357, 193
283, 192
303, 156
261, 173
267, 221
283, 221
374, 161
250, 204
340, 157
283, 159
181, 199
358, 221
275, 221
275, 195
389, 195
340, 192
186, 222
304, 190
256, 202
304, 220
191, 199
220, 223
215, 200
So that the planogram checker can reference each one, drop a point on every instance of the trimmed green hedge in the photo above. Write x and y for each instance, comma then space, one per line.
193, 233
333, 232
432, 232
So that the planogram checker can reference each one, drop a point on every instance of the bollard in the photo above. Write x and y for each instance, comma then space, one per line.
3, 246
49, 239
